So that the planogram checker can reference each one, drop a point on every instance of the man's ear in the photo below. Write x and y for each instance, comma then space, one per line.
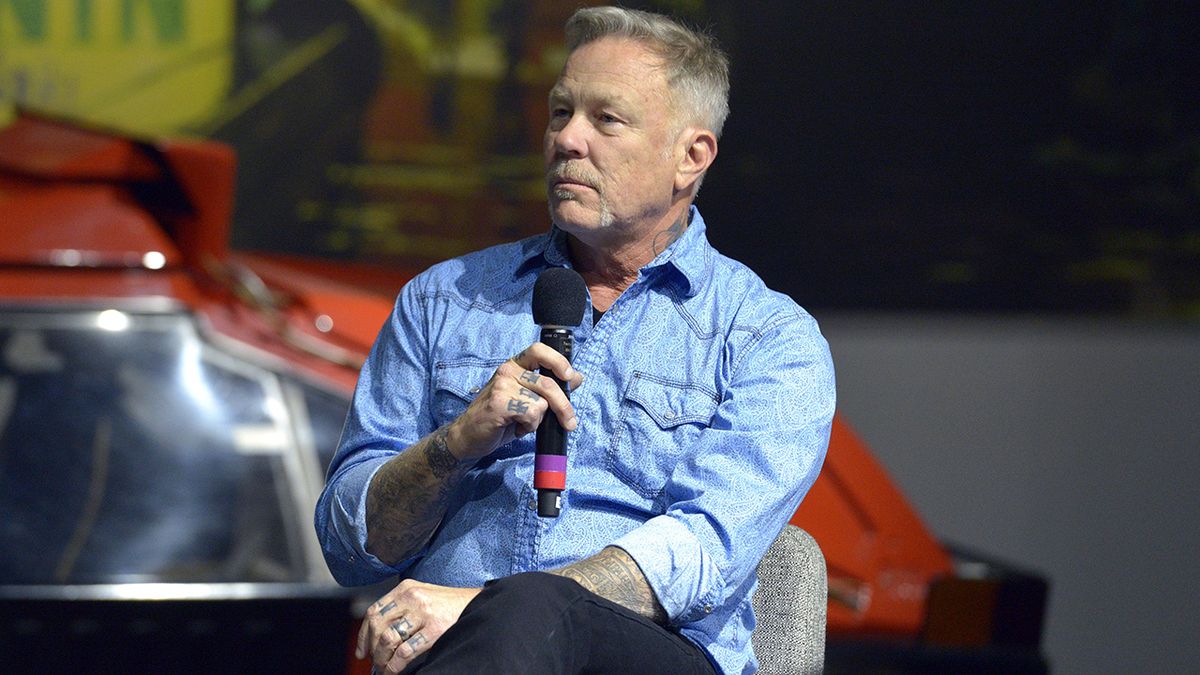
699, 151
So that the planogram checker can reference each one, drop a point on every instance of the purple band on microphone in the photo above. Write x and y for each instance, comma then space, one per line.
550, 463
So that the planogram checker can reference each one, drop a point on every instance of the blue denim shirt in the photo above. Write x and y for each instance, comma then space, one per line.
703, 420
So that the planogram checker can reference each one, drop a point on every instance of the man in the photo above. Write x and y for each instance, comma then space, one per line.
702, 420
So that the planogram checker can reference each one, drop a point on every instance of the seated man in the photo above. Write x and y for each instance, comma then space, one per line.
702, 420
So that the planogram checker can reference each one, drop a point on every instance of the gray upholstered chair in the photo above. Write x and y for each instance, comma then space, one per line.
790, 605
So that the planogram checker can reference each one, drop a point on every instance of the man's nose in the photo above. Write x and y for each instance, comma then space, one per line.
571, 139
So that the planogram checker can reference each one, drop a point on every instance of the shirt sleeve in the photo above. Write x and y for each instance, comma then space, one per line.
746, 475
389, 412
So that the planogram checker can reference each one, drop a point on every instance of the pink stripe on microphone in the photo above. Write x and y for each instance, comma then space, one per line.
556, 463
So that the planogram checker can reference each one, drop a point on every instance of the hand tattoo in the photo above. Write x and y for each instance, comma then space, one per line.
530, 377
518, 406
529, 394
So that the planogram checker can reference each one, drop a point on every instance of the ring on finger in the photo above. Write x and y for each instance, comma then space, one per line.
401, 628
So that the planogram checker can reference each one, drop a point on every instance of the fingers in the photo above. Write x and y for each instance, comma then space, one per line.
407, 621
533, 383
525, 395
539, 355
390, 635
400, 642
535, 386
405, 652
374, 624
514, 401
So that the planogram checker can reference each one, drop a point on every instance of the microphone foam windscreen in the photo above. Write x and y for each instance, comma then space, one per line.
559, 298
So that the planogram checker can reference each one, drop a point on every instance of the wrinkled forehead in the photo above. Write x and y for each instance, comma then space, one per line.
618, 68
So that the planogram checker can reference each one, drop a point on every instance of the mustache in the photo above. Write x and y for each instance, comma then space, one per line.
562, 170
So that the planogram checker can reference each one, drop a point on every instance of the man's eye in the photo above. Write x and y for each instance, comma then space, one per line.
608, 119
559, 112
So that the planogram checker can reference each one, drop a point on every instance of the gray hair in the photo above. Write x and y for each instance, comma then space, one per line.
697, 69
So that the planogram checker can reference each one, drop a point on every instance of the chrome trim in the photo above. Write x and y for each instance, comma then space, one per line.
178, 591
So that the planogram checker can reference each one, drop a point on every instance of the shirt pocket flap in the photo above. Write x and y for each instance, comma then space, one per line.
671, 404
464, 379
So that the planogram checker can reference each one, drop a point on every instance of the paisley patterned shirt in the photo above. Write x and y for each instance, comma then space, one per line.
703, 420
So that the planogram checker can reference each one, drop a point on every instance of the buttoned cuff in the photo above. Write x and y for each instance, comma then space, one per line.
681, 573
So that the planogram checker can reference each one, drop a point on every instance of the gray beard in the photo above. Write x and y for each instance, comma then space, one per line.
606, 214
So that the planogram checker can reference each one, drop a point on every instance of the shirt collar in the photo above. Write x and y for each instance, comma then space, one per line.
688, 255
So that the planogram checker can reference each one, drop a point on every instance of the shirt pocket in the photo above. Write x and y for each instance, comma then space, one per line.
660, 419
456, 383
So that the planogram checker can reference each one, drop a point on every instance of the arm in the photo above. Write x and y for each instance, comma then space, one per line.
386, 494
408, 497
614, 575
409, 494
745, 474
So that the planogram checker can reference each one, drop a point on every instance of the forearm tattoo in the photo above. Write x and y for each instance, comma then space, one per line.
614, 575
408, 497
441, 461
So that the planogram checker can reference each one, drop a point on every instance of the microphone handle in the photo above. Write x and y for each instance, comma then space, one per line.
550, 460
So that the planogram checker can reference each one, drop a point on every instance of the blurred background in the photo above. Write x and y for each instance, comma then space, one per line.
993, 208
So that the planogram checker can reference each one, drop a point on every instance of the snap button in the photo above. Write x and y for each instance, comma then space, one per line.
708, 609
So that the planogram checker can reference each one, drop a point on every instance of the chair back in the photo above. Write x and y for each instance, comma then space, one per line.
790, 604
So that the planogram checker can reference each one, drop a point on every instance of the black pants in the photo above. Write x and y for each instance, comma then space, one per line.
543, 624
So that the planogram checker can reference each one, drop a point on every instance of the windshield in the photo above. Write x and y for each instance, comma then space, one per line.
131, 450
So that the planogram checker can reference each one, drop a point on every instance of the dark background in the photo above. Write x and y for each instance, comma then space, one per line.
1023, 157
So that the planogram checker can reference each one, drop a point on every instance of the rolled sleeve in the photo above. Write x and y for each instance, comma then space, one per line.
684, 577
745, 476
345, 530
389, 412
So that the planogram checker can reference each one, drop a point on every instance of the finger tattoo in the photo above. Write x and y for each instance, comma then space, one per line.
387, 608
401, 628
416, 641
529, 393
518, 406
530, 377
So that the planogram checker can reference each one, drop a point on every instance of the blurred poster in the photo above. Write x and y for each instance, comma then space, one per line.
880, 155
155, 66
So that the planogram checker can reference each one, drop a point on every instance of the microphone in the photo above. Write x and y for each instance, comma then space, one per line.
559, 301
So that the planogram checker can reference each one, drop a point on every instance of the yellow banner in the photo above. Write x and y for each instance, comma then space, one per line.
149, 66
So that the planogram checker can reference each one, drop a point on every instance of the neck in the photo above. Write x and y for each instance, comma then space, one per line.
609, 270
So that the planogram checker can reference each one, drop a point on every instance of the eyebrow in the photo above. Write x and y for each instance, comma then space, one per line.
614, 100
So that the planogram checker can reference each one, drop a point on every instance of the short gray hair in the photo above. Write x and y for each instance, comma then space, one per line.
697, 69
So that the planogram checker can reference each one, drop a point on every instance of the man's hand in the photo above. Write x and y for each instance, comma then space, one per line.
407, 621
513, 403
